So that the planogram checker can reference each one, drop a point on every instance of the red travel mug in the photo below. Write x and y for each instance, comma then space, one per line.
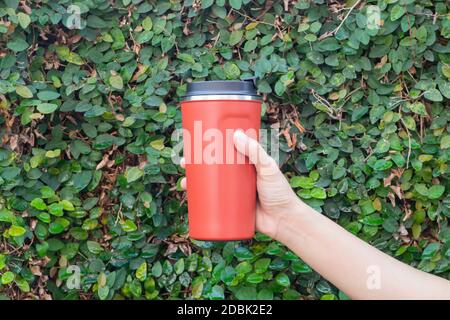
221, 182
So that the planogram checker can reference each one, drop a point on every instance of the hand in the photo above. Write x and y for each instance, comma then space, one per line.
276, 200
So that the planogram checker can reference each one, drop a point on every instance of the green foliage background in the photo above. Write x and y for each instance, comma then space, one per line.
86, 116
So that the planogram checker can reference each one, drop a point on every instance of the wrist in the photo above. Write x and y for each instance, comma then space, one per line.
289, 220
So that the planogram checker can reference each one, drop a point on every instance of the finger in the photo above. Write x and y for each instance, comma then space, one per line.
183, 183
183, 163
265, 165
263, 224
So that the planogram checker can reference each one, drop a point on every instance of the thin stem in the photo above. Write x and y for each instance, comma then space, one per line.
346, 16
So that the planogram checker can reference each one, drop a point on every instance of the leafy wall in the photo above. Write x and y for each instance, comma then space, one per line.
86, 115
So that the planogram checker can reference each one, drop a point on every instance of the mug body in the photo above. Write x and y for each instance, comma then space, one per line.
221, 183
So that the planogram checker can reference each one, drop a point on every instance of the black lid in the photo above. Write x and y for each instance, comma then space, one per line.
245, 87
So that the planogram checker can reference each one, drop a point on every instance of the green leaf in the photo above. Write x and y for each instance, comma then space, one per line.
417, 107
81, 180
246, 293
444, 87
255, 278
116, 82
261, 265
157, 269
243, 267
436, 191
96, 22
445, 142
129, 226
75, 59
431, 250
167, 44
235, 37
94, 247
338, 173
48, 95
17, 44
186, 57
103, 292
16, 231
24, 20
118, 39
44, 217
157, 144
24, 91
53, 153
47, 192
409, 122
231, 70
318, 193
6, 215
39, 204
141, 271
300, 267
144, 37
67, 205
280, 88
7, 278
397, 12
283, 280
382, 164
421, 189
179, 266
197, 288
236, 4
56, 209
207, 3
302, 182
373, 220
2, 261
366, 206
133, 174
250, 45
217, 293
47, 108
310, 37
227, 275
147, 23
55, 228
433, 95
23, 285
265, 294
264, 87
328, 44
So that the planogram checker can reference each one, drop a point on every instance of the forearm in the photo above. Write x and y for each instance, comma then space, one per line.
355, 267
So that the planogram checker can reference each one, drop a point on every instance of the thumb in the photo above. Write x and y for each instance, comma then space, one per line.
265, 165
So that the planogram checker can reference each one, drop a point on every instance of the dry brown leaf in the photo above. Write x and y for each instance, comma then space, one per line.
391, 197
408, 214
287, 136
171, 248
36, 270
398, 191
13, 142
382, 62
299, 126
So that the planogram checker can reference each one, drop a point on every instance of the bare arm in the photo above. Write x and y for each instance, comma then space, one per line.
355, 267
352, 265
